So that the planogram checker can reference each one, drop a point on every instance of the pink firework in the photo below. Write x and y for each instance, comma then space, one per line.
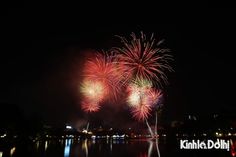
103, 69
143, 59
90, 106
142, 98
141, 112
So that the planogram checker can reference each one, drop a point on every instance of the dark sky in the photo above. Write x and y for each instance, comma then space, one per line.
42, 54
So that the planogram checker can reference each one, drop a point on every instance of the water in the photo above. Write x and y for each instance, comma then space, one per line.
105, 148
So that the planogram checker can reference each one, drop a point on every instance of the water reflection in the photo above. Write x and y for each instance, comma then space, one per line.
85, 147
150, 148
12, 151
233, 148
37, 145
107, 148
143, 155
110, 146
46, 145
67, 148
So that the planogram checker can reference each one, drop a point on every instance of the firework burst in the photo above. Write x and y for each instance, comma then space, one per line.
102, 68
93, 94
93, 91
142, 58
142, 98
90, 106
137, 91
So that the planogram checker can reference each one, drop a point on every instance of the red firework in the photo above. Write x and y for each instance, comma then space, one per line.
143, 59
142, 98
141, 112
90, 106
103, 69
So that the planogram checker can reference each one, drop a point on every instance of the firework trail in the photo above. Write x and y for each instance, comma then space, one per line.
142, 58
157, 147
150, 148
142, 98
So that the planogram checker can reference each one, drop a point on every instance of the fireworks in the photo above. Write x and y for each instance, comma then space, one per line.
138, 67
94, 91
101, 81
143, 59
90, 106
102, 68
142, 98
137, 92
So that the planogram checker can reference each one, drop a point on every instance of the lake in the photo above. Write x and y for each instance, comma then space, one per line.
106, 148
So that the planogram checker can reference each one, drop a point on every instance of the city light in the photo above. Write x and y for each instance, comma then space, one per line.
219, 134
68, 127
3, 135
85, 131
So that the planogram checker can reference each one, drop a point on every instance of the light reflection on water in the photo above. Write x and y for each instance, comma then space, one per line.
67, 148
105, 148
12, 151
119, 147
46, 145
85, 147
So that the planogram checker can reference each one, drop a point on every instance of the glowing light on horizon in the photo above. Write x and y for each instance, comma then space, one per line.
68, 127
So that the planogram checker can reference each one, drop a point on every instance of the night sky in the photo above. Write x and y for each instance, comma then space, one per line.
43, 50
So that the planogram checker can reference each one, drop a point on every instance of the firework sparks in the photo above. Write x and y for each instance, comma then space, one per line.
142, 98
143, 59
102, 68
138, 89
139, 66
90, 106
141, 112
94, 91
